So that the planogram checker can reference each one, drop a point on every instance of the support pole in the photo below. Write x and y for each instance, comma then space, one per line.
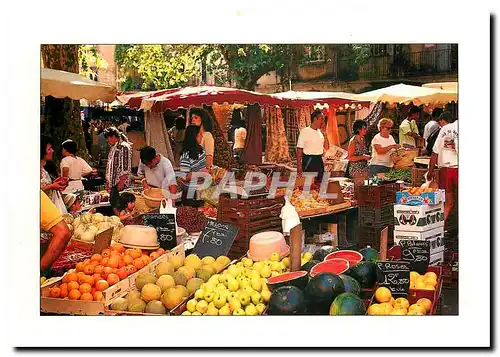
295, 247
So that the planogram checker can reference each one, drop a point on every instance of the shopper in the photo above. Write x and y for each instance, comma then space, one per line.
137, 140
52, 221
201, 118
193, 158
74, 167
311, 145
73, 204
127, 207
54, 188
118, 167
432, 125
177, 132
357, 152
382, 145
157, 171
240, 136
408, 130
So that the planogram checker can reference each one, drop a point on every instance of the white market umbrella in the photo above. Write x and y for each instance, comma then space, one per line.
404, 94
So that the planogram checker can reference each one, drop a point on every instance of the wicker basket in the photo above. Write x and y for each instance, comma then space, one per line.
404, 158
153, 197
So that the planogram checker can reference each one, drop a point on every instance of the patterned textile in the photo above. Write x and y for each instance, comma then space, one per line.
119, 163
252, 151
223, 116
292, 131
373, 117
157, 134
358, 168
223, 153
45, 180
277, 145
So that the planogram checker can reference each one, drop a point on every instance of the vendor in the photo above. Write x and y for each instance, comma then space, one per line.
52, 221
74, 167
52, 188
202, 119
118, 168
311, 145
408, 130
382, 145
157, 170
445, 155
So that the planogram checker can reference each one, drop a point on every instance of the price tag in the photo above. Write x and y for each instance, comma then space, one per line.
394, 275
417, 253
216, 239
165, 228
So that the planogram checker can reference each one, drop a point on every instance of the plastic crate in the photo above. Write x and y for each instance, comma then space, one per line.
417, 176
376, 196
370, 216
368, 235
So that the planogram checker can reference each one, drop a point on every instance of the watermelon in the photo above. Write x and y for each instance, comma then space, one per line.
297, 278
334, 266
287, 300
351, 256
347, 304
307, 266
351, 285
322, 252
322, 290
370, 254
365, 273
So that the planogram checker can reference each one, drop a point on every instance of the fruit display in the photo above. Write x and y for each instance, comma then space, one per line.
352, 256
347, 304
321, 291
287, 300
91, 277
335, 266
191, 219
209, 211
417, 191
173, 281
428, 281
387, 305
87, 226
307, 201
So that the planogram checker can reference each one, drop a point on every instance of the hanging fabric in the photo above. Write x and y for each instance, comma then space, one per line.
292, 131
223, 116
223, 153
157, 135
252, 153
332, 128
278, 151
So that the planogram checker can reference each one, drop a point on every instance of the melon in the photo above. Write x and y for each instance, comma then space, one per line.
322, 290
370, 254
143, 279
98, 218
351, 285
307, 266
322, 252
164, 268
150, 292
365, 273
335, 266
347, 304
297, 278
165, 282
351, 256
135, 294
136, 305
120, 304
86, 218
155, 307
194, 284
287, 300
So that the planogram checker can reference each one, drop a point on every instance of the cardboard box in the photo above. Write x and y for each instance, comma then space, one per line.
436, 259
434, 236
102, 240
426, 198
418, 218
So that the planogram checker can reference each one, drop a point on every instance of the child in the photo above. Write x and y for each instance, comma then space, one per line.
127, 205
73, 204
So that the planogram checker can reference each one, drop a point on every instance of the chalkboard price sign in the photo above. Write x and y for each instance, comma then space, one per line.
165, 228
417, 253
216, 239
394, 275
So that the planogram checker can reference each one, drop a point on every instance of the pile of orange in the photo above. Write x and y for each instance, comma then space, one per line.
387, 305
423, 282
92, 276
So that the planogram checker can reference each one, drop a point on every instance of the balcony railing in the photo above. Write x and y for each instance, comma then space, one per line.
430, 62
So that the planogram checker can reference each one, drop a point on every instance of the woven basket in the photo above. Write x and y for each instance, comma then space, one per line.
404, 158
153, 197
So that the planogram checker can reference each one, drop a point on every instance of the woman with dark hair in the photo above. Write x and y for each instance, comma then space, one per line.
73, 167
240, 136
202, 119
193, 157
51, 188
358, 154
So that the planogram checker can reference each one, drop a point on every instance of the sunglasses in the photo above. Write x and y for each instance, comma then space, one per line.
387, 127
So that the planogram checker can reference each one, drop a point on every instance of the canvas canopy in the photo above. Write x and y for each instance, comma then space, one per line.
61, 84
333, 99
404, 94
448, 86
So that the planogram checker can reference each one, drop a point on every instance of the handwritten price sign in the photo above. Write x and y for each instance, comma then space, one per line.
417, 253
165, 228
216, 239
394, 275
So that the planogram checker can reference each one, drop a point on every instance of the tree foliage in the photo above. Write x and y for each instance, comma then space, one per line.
90, 60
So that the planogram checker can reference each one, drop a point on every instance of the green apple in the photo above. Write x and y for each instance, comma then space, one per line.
256, 298
199, 294
260, 308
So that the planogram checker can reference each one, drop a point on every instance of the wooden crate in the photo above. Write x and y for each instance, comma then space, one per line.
376, 196
417, 176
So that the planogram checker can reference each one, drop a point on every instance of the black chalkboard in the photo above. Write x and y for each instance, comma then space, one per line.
165, 228
394, 275
216, 239
417, 253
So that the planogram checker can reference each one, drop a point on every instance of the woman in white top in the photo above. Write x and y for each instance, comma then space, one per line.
73, 167
201, 118
382, 145
240, 136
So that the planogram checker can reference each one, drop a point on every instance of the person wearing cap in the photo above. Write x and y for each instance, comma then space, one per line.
157, 171
445, 156
73, 204
52, 221
74, 167
118, 167
408, 130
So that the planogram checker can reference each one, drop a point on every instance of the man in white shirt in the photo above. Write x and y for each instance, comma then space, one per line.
311, 145
432, 125
157, 169
408, 130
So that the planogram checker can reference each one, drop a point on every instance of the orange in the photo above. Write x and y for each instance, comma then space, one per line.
146, 259
105, 253
85, 288
80, 266
89, 280
130, 269
418, 308
73, 285
106, 272
375, 310
122, 273
81, 279
383, 294
74, 294
160, 251
139, 263
104, 261
426, 303
97, 277
429, 287
113, 261
392, 301
127, 259
113, 279
121, 264
64, 290
70, 277
399, 312
118, 248
402, 302
431, 274
414, 275
98, 296
89, 269
154, 255
55, 292
87, 297
430, 281
96, 258
135, 253
386, 308
114, 253
420, 284
101, 285
98, 269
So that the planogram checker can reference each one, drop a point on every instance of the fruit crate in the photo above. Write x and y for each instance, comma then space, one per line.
242, 242
376, 196
370, 216
370, 235
417, 176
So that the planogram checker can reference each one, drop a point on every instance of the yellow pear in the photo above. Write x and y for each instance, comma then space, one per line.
251, 310
202, 306
191, 305
256, 284
225, 311
219, 300
266, 295
260, 308
234, 304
